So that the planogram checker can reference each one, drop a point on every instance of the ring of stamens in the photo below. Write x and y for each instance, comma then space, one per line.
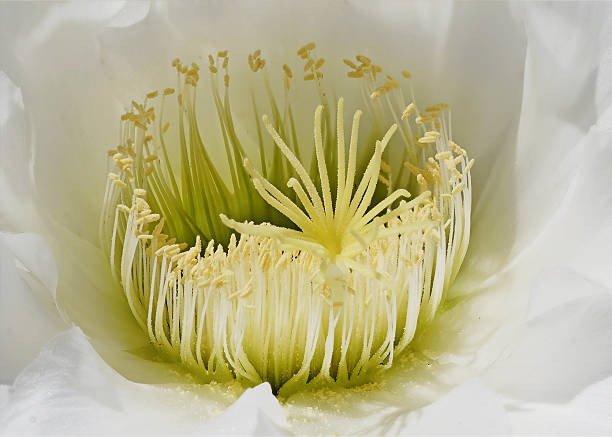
333, 280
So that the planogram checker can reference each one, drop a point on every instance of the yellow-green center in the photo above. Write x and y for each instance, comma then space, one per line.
331, 249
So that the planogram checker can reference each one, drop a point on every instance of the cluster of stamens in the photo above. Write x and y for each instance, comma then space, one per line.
277, 271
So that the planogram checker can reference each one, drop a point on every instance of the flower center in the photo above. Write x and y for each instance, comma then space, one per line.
334, 263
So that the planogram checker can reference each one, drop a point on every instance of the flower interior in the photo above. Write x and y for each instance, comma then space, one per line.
308, 263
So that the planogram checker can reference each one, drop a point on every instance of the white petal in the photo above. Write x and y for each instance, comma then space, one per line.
256, 412
132, 12
4, 395
587, 414
28, 316
69, 389
470, 409
563, 350
17, 211
51, 66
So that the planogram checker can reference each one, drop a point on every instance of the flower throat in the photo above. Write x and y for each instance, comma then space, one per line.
311, 260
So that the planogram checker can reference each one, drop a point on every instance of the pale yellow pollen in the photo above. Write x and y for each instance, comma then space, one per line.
409, 110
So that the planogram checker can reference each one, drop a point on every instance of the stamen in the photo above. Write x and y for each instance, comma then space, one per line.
334, 264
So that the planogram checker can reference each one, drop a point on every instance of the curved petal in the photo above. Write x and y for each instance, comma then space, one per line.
556, 379
26, 290
564, 348
86, 293
256, 412
17, 211
587, 414
69, 389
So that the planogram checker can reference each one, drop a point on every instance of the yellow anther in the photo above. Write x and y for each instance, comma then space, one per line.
444, 155
309, 64
355, 74
168, 91
469, 165
113, 176
306, 48
256, 53
151, 218
427, 140
309, 76
363, 59
175, 62
287, 71
350, 63
433, 163
385, 167
170, 253
222, 54
226, 79
432, 133
149, 170
165, 128
422, 182
319, 63
151, 158
145, 237
120, 183
152, 94
391, 82
251, 63
141, 204
455, 148
124, 208
409, 110
459, 188
140, 192
384, 180
406, 74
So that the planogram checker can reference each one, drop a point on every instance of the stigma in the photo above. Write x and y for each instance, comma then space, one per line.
303, 261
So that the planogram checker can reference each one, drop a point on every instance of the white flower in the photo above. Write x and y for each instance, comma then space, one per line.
531, 93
